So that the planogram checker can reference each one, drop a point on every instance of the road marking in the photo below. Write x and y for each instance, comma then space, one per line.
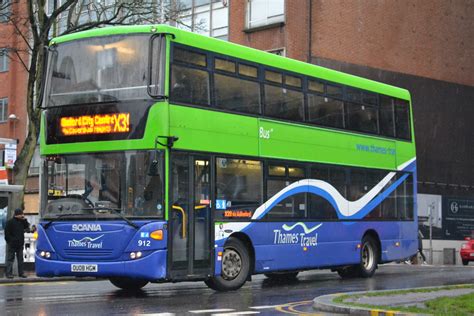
266, 306
290, 308
206, 311
237, 313
159, 314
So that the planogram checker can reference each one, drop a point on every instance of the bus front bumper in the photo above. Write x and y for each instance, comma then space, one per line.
151, 267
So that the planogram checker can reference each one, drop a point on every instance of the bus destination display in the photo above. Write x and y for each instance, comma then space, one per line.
95, 124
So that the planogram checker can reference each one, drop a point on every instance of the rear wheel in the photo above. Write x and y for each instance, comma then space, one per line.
465, 262
369, 254
235, 267
128, 284
283, 277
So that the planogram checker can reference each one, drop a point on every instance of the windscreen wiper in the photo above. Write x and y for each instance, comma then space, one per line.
45, 226
117, 211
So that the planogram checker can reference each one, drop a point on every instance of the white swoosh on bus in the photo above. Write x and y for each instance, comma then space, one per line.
88, 239
306, 229
345, 207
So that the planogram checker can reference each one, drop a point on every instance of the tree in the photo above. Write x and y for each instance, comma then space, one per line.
35, 22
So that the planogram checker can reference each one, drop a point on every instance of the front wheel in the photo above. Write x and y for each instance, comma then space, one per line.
128, 284
368, 257
465, 262
235, 267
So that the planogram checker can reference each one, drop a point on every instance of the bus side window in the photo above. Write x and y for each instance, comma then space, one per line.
190, 85
319, 207
387, 123
292, 207
284, 103
237, 94
402, 119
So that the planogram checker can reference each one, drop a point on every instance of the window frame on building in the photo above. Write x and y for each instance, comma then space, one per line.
5, 10
268, 20
3, 110
4, 60
195, 8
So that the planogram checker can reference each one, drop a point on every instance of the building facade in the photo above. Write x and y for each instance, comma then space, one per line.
13, 79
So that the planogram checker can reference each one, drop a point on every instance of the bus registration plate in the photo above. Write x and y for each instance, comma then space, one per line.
84, 268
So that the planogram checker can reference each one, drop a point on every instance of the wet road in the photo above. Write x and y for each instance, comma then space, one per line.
261, 296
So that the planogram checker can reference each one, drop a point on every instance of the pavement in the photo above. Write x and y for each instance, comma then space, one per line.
32, 277
410, 298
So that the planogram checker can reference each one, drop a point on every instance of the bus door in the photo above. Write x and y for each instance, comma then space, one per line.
190, 216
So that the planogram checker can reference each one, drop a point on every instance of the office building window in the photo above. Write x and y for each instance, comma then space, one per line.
265, 12
207, 17
3, 59
3, 109
5, 10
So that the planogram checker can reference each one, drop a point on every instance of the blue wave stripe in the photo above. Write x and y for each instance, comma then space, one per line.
378, 199
318, 191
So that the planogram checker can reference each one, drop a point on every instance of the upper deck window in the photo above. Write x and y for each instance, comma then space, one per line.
224, 65
273, 76
402, 119
249, 71
101, 69
315, 86
186, 56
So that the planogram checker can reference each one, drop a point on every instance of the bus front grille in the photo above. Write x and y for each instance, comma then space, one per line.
88, 252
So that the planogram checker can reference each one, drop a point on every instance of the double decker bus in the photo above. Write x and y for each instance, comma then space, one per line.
170, 156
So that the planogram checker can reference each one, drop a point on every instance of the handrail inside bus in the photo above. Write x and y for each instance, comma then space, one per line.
180, 209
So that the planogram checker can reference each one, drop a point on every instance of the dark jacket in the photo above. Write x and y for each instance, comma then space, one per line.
15, 232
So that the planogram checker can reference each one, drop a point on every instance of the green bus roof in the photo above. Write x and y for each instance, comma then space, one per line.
245, 53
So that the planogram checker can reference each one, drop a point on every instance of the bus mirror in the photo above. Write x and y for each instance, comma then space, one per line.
153, 169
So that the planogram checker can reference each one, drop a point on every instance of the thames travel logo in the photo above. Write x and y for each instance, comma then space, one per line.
86, 242
304, 239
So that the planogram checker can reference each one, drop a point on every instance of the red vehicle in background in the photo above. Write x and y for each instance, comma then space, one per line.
467, 251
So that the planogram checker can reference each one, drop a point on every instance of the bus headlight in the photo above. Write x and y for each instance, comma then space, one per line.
45, 254
136, 255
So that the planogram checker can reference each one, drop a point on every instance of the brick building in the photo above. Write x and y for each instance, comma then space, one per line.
13, 78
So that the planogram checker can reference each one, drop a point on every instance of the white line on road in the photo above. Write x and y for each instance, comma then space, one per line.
205, 311
158, 314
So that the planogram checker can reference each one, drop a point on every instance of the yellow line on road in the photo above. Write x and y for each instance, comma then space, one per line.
290, 308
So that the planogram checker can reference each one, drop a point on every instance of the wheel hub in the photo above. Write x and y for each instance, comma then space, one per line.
368, 257
231, 264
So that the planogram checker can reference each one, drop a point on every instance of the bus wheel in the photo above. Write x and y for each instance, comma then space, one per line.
283, 277
368, 257
128, 284
235, 267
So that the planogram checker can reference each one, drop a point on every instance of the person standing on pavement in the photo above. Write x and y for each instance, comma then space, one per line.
420, 246
15, 237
